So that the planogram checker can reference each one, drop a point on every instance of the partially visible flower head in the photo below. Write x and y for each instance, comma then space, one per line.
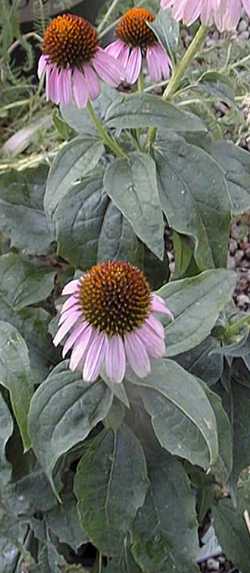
73, 62
225, 14
108, 322
135, 41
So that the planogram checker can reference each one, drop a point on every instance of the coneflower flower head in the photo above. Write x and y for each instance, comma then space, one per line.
135, 40
73, 62
108, 322
225, 14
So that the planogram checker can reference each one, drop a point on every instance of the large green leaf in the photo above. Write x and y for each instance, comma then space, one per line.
74, 161
63, 411
63, 520
15, 375
205, 360
144, 110
21, 209
196, 303
167, 29
165, 538
235, 162
131, 183
23, 283
117, 239
181, 414
6, 430
110, 485
195, 199
239, 413
80, 120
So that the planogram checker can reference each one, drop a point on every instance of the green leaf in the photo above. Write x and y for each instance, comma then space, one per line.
125, 563
194, 198
204, 361
16, 376
240, 419
63, 411
144, 110
223, 466
164, 536
235, 163
22, 217
23, 283
131, 183
79, 119
181, 414
218, 85
196, 303
232, 532
117, 240
74, 161
183, 252
167, 30
110, 485
6, 430
63, 520
157, 272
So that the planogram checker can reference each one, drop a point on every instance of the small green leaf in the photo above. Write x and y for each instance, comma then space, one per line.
22, 217
110, 485
167, 30
232, 531
167, 516
204, 361
63, 520
23, 283
63, 411
196, 303
144, 110
74, 161
15, 375
6, 430
195, 199
181, 414
223, 466
131, 183
117, 240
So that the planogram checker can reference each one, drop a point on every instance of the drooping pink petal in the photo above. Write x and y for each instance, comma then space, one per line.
155, 325
71, 287
107, 68
134, 65
120, 51
80, 89
65, 86
115, 359
94, 357
158, 62
64, 328
154, 344
80, 347
76, 332
41, 65
69, 303
52, 78
137, 355
92, 80
68, 314
158, 305
225, 14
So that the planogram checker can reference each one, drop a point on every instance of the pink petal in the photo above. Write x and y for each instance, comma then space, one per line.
65, 86
155, 325
158, 305
41, 65
137, 355
71, 302
73, 337
134, 65
107, 68
120, 51
115, 359
52, 87
80, 89
66, 326
93, 83
155, 345
81, 347
71, 287
69, 313
94, 357
158, 63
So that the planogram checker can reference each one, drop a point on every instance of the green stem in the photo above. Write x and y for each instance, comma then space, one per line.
140, 83
107, 15
106, 138
235, 328
179, 72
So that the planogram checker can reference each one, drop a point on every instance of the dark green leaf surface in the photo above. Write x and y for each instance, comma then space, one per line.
146, 110
195, 199
22, 217
131, 183
22, 282
110, 486
181, 414
63, 411
196, 303
117, 240
167, 516
232, 532
204, 361
15, 375
63, 520
6, 430
75, 160
166, 29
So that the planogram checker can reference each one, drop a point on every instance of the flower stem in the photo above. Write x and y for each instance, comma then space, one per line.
106, 138
179, 72
140, 83
107, 15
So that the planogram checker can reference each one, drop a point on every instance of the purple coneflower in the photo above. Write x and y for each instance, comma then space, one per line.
108, 322
225, 14
136, 41
73, 62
